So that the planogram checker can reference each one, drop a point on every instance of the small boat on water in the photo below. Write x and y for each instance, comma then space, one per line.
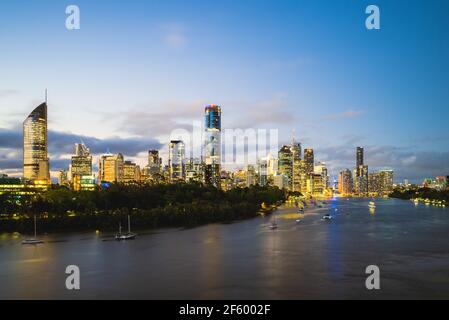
327, 217
301, 210
372, 205
298, 221
125, 236
33, 240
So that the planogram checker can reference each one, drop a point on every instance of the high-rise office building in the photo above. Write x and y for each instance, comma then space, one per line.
361, 179
386, 181
111, 168
212, 145
35, 146
309, 161
194, 169
296, 166
81, 162
321, 169
131, 172
176, 161
285, 165
80, 166
262, 170
152, 172
359, 157
250, 175
345, 185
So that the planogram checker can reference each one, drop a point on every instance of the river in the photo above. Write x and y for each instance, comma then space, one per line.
312, 259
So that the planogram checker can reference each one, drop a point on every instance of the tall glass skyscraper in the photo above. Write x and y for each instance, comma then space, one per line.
212, 144
176, 160
212, 127
35, 146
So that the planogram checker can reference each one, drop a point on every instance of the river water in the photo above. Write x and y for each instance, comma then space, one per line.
312, 259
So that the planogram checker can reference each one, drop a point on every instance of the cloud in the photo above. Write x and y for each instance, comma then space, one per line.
344, 115
407, 163
61, 144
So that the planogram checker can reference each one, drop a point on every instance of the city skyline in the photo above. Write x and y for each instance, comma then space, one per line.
336, 96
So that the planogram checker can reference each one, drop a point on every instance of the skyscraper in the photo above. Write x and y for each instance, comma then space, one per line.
81, 165
345, 182
111, 168
176, 160
35, 146
131, 172
285, 165
359, 157
296, 166
212, 145
309, 160
361, 173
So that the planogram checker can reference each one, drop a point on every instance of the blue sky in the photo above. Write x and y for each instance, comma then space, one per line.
140, 69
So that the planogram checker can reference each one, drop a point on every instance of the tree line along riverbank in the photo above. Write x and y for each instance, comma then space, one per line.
150, 206
422, 194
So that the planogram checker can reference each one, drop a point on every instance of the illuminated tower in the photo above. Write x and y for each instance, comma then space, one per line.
35, 146
359, 157
296, 165
212, 145
285, 165
176, 160
81, 166
309, 160
111, 168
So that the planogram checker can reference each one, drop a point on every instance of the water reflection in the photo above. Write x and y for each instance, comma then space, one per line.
246, 260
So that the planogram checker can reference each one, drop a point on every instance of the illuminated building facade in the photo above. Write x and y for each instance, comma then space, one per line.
194, 170
176, 161
321, 169
111, 168
361, 179
345, 184
309, 161
262, 169
296, 166
285, 164
131, 173
35, 146
81, 165
212, 145
19, 187
250, 175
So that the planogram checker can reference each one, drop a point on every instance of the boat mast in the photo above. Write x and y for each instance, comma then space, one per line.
129, 224
35, 233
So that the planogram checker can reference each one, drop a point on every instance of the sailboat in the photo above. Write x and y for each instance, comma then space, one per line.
372, 205
33, 240
125, 236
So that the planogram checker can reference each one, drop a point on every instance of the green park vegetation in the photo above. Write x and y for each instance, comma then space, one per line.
150, 206
421, 194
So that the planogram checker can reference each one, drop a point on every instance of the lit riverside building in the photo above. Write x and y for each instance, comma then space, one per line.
212, 145
361, 174
35, 146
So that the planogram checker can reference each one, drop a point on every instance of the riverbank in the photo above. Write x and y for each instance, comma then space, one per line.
424, 195
149, 207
